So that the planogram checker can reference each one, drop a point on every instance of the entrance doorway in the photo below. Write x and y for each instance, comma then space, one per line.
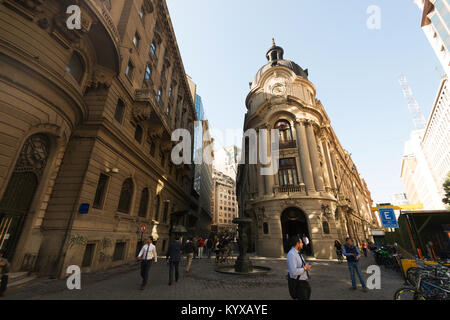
20, 191
293, 223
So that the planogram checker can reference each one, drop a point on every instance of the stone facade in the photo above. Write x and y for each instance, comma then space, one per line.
86, 117
317, 190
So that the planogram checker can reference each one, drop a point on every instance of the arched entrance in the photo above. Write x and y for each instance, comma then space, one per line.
20, 191
293, 222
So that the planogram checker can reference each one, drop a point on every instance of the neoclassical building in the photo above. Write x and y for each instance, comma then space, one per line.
86, 117
317, 190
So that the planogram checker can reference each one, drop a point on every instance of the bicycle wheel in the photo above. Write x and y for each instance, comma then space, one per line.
411, 276
408, 294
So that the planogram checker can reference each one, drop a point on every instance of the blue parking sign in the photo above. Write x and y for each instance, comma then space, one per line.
388, 219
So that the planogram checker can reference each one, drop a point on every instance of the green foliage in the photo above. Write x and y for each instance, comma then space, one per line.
446, 186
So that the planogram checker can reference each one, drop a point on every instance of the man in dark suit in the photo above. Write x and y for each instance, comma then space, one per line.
174, 256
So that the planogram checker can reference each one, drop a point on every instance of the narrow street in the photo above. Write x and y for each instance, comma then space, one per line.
329, 281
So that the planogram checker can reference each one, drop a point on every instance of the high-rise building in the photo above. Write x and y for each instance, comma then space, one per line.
85, 133
426, 158
226, 160
225, 205
436, 25
317, 190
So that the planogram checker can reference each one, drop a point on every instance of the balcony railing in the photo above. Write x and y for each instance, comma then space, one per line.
289, 189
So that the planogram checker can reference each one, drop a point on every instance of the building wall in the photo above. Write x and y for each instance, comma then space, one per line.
436, 26
329, 191
40, 95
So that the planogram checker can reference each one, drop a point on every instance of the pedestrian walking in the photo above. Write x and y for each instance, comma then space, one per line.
353, 254
306, 244
189, 249
147, 255
4, 270
200, 244
174, 256
364, 247
298, 275
338, 247
209, 246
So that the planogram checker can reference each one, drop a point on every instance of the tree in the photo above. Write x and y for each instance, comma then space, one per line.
446, 186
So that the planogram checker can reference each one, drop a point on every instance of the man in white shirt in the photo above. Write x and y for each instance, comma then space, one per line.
146, 255
299, 287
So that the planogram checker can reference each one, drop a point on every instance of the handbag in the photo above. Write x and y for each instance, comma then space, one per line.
294, 286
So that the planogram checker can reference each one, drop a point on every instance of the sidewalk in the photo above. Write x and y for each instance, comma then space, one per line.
329, 280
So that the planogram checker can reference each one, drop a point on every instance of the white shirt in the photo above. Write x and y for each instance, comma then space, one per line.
150, 252
296, 265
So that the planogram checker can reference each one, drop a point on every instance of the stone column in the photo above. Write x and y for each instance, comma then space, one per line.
333, 179
315, 162
326, 170
303, 151
269, 179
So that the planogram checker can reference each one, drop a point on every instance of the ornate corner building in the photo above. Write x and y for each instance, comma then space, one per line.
86, 117
317, 190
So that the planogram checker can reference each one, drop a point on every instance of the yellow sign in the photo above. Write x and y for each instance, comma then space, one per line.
405, 207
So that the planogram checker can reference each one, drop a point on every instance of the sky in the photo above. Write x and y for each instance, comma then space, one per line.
355, 69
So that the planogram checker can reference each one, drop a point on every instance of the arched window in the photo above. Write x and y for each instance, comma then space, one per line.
120, 110
126, 195
325, 227
285, 133
144, 203
157, 206
76, 66
138, 134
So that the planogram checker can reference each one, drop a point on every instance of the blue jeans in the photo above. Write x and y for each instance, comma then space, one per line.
352, 266
145, 268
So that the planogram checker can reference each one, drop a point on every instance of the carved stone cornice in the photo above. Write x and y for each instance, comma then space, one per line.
140, 112
27, 8
155, 130
100, 80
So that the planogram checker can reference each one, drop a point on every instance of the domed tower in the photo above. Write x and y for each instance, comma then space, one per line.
302, 198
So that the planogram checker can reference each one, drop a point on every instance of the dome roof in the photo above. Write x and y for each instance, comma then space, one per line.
275, 57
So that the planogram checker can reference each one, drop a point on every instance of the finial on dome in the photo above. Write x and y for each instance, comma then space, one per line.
273, 42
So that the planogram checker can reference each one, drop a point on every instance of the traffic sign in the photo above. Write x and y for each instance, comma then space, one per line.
143, 228
387, 217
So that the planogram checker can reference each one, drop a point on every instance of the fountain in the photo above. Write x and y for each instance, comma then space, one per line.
243, 265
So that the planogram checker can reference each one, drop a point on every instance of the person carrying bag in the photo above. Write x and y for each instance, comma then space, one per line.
298, 275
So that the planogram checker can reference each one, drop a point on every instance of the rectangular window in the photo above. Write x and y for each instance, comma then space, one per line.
166, 211
101, 191
88, 255
119, 251
288, 172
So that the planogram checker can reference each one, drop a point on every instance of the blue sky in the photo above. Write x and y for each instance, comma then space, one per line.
355, 69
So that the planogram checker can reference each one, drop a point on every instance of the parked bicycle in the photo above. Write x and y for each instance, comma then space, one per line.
427, 283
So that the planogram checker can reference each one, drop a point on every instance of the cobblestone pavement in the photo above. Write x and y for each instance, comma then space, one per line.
329, 280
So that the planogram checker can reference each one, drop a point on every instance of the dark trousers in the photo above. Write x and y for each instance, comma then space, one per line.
4, 283
145, 268
303, 290
173, 265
